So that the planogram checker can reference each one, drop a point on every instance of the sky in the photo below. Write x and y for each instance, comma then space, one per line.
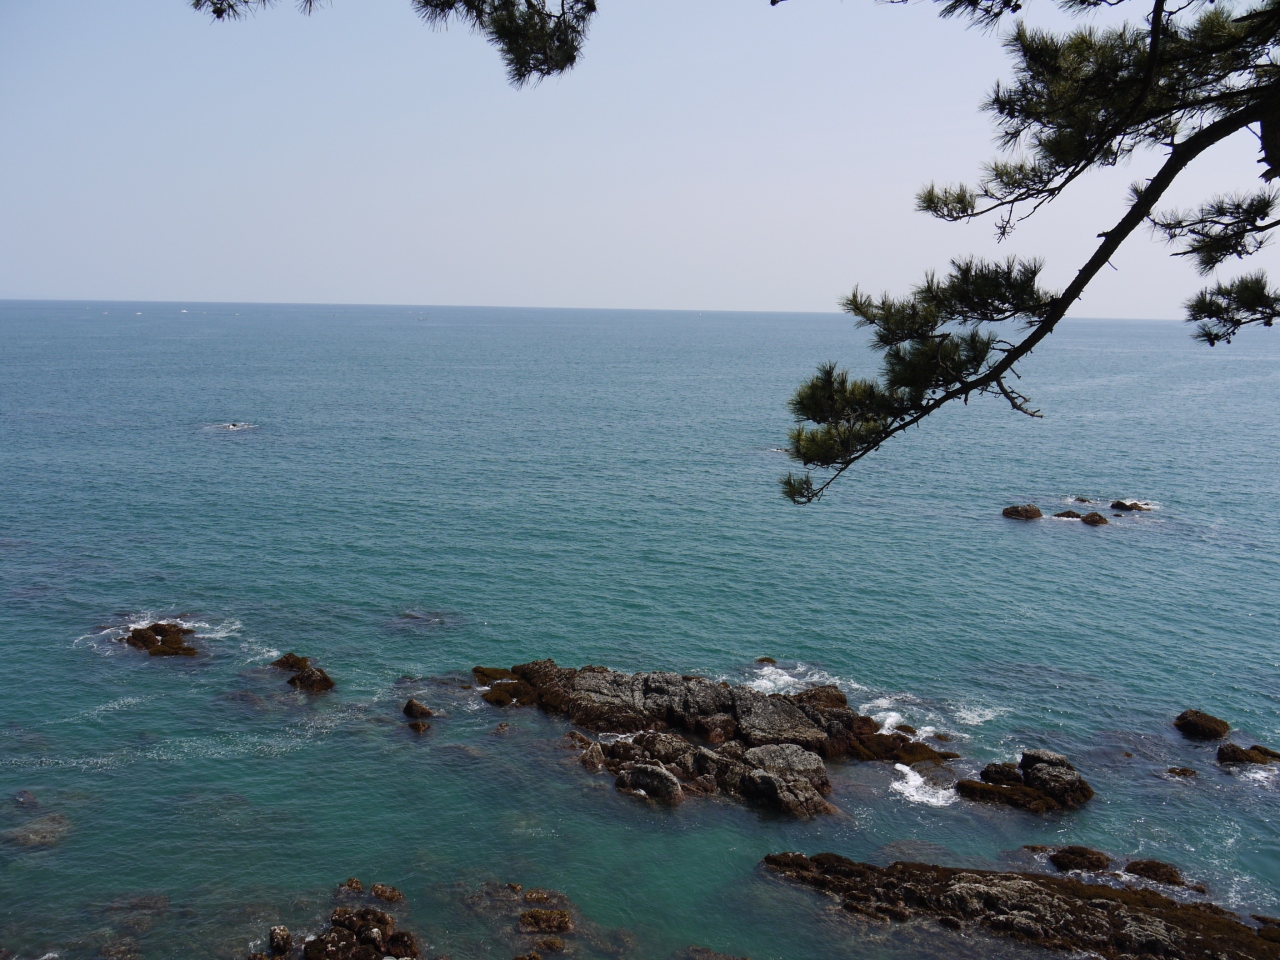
703, 155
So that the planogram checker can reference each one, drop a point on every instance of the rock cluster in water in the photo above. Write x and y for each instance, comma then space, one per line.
305, 676
1067, 859
1040, 782
1197, 725
1232, 753
417, 714
365, 933
161, 639
767, 749
1029, 511
1060, 913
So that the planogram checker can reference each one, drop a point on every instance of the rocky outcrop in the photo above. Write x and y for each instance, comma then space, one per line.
1055, 912
1156, 870
1232, 753
1067, 515
1026, 511
1042, 781
1094, 519
162, 639
1128, 505
768, 750
311, 680
1195, 725
365, 933
279, 941
292, 662
1071, 858
386, 892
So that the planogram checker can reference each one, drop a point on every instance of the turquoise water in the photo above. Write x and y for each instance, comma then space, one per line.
422, 490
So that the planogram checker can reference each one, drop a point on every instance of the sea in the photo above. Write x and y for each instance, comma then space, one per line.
402, 493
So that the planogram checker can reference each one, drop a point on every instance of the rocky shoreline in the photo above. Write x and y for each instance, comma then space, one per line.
1054, 912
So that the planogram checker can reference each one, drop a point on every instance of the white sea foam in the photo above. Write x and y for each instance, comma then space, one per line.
771, 678
233, 427
976, 716
918, 790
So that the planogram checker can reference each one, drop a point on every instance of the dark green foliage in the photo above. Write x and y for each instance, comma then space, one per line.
1176, 81
1221, 310
537, 38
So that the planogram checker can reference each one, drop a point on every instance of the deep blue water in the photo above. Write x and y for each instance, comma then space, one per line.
422, 490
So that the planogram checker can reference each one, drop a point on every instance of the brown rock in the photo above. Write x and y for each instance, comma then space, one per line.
1094, 519
402, 944
417, 711
1182, 771
1128, 505
1012, 795
279, 941
1195, 725
546, 921
1027, 511
292, 662
1156, 870
385, 892
549, 945
352, 885
1056, 912
1067, 515
312, 680
1232, 753
1079, 858
769, 660
418, 726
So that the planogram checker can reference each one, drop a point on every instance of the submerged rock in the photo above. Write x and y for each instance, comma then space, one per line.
1061, 913
417, 711
162, 639
41, 832
768, 749
1027, 511
1042, 781
386, 892
1195, 725
1181, 771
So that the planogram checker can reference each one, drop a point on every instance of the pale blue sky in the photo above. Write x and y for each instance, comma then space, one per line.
706, 154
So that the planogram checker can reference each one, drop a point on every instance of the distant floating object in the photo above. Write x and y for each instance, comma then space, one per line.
184, 311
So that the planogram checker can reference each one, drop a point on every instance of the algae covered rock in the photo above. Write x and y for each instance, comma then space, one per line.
1026, 511
1195, 725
